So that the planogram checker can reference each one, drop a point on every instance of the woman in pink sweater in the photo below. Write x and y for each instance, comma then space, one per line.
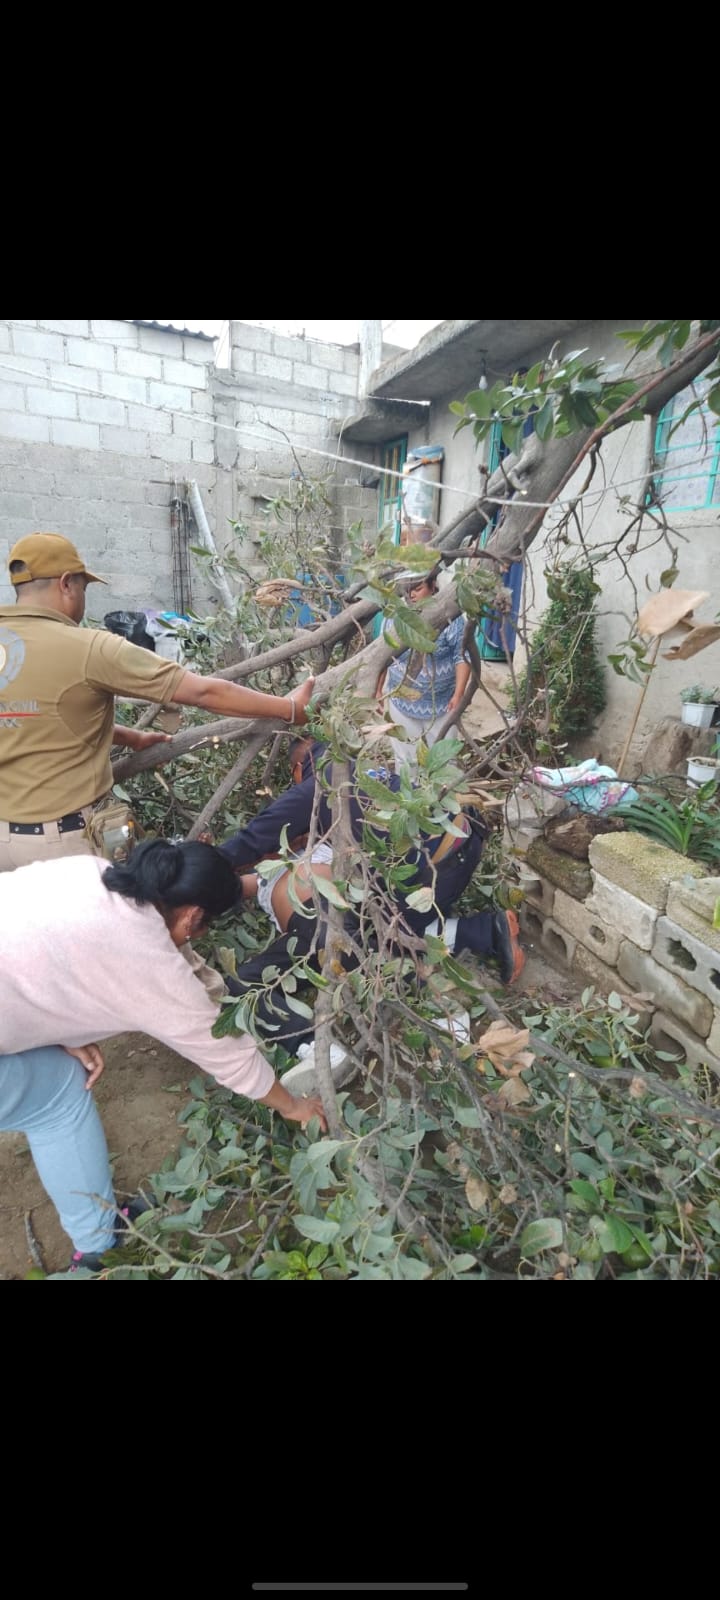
88, 951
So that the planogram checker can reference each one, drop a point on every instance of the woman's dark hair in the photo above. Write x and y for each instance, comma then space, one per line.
161, 874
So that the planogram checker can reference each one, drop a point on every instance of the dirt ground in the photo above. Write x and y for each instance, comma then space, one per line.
140, 1096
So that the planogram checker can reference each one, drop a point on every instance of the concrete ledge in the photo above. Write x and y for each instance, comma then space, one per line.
697, 900
639, 866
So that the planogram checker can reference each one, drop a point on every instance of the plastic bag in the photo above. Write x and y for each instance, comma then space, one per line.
131, 625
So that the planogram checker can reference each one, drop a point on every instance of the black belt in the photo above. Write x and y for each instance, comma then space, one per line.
69, 824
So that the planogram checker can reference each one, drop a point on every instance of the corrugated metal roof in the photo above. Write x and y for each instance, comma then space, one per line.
172, 327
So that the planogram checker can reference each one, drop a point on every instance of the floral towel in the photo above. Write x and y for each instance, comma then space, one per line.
587, 785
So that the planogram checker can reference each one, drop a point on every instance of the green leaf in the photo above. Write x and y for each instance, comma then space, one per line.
299, 1006
544, 421
317, 1228
463, 1263
614, 1235
586, 1191
546, 1234
421, 899
330, 891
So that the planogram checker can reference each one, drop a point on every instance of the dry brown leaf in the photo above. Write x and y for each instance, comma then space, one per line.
477, 1192
697, 639
456, 1160
666, 609
508, 1194
514, 1092
638, 1088
501, 1044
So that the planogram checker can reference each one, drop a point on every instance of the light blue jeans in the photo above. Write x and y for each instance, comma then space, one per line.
43, 1095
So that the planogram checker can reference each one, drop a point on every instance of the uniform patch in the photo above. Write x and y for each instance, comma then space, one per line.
12, 656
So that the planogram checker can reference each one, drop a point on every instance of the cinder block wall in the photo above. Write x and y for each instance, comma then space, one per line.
98, 419
645, 930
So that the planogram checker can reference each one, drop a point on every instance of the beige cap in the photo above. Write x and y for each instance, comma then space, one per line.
47, 555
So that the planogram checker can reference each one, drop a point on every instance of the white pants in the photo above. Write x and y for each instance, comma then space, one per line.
405, 750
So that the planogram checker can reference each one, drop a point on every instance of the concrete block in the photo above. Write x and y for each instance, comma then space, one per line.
248, 338
540, 895
268, 366
199, 353
139, 364
592, 931
640, 866
325, 355
343, 384
203, 402
244, 360
309, 377
146, 419
173, 396
202, 451
291, 349
699, 896
11, 396
128, 441
73, 377
117, 333
121, 387
714, 1035
17, 369
81, 329
180, 372
169, 449
689, 958
33, 342
531, 923
97, 409
163, 341
51, 403
563, 871
89, 356
17, 425
631, 917
559, 945
191, 427
590, 969
666, 1033
669, 993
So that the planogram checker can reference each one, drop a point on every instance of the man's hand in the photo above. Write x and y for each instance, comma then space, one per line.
90, 1057
143, 740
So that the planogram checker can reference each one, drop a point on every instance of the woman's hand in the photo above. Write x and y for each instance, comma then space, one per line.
302, 1110
90, 1057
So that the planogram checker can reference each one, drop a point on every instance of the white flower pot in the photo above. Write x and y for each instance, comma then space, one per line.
700, 770
696, 714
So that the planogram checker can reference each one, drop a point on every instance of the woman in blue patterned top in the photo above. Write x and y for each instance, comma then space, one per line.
421, 688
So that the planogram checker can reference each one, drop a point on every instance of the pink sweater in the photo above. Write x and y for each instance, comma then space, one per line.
79, 963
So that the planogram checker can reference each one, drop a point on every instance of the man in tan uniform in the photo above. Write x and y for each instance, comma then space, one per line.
57, 687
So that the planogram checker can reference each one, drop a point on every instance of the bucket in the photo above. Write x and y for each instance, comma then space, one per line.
700, 770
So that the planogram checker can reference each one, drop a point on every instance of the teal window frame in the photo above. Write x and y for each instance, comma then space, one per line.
671, 453
394, 456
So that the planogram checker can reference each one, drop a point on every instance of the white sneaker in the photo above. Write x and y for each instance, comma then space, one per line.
302, 1079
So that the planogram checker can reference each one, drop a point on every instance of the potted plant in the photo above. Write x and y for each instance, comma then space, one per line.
698, 705
704, 769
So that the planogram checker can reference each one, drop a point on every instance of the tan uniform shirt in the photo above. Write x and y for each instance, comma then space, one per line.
57, 688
